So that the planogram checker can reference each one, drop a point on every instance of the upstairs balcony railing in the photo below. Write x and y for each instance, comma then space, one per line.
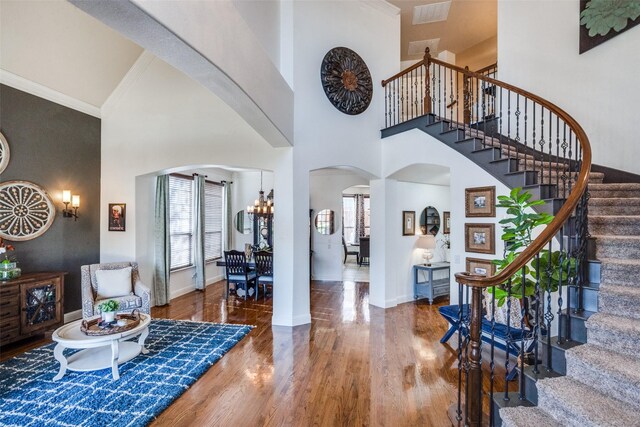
535, 137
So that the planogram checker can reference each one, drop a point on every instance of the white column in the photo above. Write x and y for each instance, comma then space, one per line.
291, 289
386, 224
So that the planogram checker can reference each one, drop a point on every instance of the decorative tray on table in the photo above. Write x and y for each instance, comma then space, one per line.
97, 327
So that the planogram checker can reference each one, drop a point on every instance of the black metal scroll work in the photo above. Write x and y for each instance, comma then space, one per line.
346, 80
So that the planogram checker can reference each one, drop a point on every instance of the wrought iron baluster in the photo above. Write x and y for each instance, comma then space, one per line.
522, 352
536, 303
508, 341
548, 317
492, 363
460, 331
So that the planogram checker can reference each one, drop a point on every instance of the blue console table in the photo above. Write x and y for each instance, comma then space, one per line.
430, 288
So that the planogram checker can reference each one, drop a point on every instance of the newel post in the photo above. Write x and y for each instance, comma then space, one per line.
466, 95
474, 384
427, 82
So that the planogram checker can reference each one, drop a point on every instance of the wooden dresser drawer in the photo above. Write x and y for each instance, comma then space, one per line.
9, 306
8, 334
8, 291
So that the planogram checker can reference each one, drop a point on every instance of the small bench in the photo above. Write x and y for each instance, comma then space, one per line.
504, 337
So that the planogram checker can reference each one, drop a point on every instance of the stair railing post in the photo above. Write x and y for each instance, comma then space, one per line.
427, 82
474, 395
466, 95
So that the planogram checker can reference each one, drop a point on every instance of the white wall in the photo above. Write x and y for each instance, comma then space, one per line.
538, 46
415, 197
161, 120
263, 18
324, 136
464, 174
325, 192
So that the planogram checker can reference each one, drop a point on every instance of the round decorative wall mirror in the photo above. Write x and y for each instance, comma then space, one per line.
430, 221
242, 222
26, 211
324, 222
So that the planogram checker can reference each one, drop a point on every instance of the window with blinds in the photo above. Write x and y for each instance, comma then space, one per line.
212, 221
181, 221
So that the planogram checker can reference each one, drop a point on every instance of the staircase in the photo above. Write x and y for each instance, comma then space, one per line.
602, 382
586, 372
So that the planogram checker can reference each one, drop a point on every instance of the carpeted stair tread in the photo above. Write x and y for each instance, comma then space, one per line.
619, 271
617, 333
614, 224
615, 246
610, 373
573, 403
616, 299
527, 416
614, 205
615, 190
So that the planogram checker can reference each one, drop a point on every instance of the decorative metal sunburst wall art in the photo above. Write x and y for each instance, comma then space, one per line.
26, 211
346, 80
4, 153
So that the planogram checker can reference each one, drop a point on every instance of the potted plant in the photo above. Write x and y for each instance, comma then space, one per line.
108, 310
517, 233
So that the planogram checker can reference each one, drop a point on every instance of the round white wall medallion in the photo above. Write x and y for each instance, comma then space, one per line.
26, 210
4, 153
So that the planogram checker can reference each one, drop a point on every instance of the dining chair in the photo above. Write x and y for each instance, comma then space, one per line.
264, 271
347, 252
364, 251
238, 272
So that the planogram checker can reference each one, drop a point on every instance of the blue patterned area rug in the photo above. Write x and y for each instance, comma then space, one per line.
179, 353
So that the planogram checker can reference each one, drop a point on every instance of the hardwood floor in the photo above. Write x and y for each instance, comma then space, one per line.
354, 365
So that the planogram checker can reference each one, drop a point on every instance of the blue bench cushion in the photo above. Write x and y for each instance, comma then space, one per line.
451, 313
267, 279
241, 277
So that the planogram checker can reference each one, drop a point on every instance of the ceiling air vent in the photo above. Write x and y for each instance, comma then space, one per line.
433, 12
418, 47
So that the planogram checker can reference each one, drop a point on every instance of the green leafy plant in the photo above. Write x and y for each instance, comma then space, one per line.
107, 306
517, 233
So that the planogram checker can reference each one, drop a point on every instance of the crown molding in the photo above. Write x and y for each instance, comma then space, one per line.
130, 78
33, 88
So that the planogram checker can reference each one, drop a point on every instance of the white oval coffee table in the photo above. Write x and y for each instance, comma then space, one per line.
98, 352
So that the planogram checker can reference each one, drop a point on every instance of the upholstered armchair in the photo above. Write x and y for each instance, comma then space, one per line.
137, 295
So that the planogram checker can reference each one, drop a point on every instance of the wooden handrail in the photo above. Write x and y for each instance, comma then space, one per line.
487, 68
567, 208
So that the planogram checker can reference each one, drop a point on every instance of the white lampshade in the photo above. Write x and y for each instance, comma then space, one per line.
427, 241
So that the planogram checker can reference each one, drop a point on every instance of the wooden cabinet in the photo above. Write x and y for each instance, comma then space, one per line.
30, 305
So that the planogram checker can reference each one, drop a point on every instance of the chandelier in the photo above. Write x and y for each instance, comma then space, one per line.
263, 207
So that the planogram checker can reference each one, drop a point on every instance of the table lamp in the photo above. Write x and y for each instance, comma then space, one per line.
427, 242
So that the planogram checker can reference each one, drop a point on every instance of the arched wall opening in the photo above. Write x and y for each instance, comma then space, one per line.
245, 184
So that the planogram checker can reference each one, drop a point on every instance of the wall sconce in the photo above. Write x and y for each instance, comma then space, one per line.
75, 204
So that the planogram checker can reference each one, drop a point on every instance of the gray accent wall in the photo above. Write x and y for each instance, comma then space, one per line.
59, 149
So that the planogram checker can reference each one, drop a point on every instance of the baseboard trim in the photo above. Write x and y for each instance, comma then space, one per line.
72, 315
179, 292
302, 319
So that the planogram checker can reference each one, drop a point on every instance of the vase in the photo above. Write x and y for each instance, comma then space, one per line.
108, 316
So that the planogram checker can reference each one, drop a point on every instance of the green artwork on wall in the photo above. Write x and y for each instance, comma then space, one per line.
601, 20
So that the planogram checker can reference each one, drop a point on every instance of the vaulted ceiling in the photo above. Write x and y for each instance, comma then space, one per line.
56, 45
468, 23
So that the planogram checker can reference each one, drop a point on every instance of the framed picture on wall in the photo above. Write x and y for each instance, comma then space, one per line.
480, 202
480, 267
408, 223
117, 216
446, 221
480, 238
